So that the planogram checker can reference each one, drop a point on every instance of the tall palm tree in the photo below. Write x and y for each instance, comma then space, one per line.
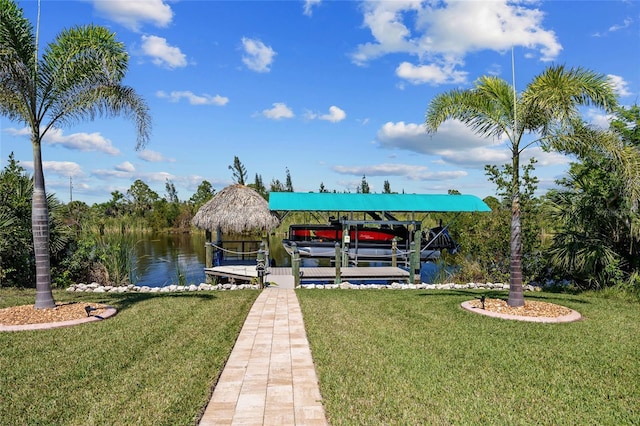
79, 77
546, 111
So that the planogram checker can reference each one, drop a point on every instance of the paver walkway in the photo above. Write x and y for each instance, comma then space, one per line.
269, 378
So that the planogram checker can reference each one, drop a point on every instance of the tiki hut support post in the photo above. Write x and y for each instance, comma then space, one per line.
218, 249
208, 255
261, 264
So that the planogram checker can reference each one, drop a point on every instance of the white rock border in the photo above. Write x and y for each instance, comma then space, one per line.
97, 288
422, 286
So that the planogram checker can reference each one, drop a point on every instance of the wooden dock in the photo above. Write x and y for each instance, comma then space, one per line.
284, 275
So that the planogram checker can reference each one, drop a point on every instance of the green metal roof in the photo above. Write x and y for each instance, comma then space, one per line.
344, 202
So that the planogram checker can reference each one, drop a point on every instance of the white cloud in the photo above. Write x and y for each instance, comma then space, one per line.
411, 172
309, 5
258, 57
111, 174
149, 177
620, 86
462, 27
441, 34
86, 142
158, 177
161, 53
625, 24
192, 98
25, 131
598, 118
432, 74
544, 158
475, 157
60, 168
454, 143
132, 14
279, 111
126, 167
387, 169
414, 137
335, 115
154, 157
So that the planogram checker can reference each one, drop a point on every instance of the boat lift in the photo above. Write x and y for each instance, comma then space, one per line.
285, 202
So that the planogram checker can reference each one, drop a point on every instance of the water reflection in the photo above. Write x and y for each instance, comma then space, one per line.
164, 259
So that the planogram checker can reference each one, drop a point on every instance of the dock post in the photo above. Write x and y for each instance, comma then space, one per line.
338, 279
208, 256
412, 260
346, 240
416, 264
295, 265
394, 252
261, 265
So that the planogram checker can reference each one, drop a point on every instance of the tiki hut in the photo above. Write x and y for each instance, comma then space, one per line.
235, 209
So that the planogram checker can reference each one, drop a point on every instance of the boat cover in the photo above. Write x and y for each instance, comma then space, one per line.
347, 202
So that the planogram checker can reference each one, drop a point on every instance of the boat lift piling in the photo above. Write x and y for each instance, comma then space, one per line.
338, 279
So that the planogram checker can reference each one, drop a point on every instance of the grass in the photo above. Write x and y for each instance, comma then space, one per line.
154, 363
383, 357
415, 357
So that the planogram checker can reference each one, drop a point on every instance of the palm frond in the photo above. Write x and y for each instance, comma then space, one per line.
81, 73
487, 108
558, 92
17, 63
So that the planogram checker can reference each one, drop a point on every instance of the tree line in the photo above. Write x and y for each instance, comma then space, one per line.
585, 231
592, 217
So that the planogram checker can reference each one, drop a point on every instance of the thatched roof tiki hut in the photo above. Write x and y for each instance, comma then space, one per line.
235, 209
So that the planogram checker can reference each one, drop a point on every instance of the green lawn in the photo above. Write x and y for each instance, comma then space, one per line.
415, 357
383, 357
154, 363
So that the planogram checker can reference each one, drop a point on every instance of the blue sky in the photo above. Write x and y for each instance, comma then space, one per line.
330, 90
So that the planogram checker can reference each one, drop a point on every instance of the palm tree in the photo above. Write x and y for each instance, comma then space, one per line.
546, 110
77, 78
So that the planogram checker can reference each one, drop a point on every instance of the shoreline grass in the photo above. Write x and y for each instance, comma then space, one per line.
415, 357
154, 363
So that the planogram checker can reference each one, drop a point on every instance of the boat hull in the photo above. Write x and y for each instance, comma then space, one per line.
372, 252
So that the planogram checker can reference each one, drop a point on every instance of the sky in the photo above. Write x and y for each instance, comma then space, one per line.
329, 91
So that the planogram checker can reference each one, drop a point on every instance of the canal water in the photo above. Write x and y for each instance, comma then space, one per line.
165, 259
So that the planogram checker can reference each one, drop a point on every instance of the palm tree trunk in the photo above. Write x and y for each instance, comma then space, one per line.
40, 228
516, 297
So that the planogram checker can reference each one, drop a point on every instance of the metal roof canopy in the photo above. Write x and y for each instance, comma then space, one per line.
346, 202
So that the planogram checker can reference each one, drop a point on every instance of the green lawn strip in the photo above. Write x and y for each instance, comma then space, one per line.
415, 357
154, 363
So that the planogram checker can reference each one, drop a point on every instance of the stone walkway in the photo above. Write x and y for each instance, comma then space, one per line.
269, 378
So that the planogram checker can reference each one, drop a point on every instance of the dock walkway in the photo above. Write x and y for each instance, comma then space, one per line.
283, 276
269, 378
